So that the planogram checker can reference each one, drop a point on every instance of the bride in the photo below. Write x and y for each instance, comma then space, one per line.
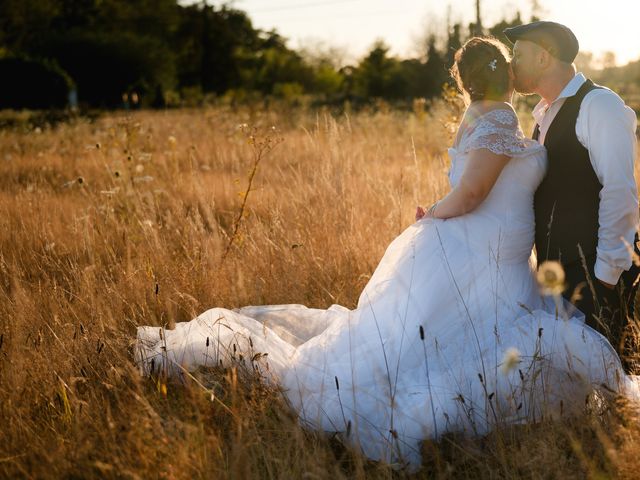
451, 332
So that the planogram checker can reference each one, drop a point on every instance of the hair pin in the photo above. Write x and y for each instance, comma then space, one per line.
493, 64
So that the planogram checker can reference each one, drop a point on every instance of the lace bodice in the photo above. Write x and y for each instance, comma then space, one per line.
498, 131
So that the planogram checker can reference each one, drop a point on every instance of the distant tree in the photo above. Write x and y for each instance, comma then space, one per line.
271, 64
326, 80
107, 46
378, 75
436, 72
26, 83
498, 29
325, 63
477, 26
105, 65
454, 42
538, 12
23, 22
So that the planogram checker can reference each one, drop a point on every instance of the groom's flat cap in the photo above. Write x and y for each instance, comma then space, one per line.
554, 37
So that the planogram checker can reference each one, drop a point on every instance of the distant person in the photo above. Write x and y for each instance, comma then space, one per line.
450, 334
125, 101
587, 204
73, 99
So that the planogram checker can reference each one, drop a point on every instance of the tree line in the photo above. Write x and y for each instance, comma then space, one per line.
153, 53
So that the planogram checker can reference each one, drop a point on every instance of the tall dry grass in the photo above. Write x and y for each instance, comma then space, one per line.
125, 221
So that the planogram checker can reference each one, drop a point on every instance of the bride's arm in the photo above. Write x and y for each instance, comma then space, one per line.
481, 171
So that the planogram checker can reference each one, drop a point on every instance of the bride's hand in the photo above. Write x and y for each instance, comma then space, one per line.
420, 212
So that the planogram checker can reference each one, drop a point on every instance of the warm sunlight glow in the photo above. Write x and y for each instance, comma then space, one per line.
602, 27
355, 24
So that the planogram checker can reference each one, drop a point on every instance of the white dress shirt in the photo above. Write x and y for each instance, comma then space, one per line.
606, 127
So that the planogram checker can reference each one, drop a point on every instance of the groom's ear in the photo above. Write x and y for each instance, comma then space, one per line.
544, 58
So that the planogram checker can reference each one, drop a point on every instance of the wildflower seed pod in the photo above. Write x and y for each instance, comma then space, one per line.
551, 278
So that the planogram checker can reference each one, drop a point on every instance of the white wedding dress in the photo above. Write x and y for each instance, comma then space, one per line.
450, 333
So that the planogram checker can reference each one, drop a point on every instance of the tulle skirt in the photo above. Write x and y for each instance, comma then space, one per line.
450, 334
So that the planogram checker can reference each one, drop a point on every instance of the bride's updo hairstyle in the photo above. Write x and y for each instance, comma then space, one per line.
481, 69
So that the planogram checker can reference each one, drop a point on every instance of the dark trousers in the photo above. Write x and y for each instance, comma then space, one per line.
608, 311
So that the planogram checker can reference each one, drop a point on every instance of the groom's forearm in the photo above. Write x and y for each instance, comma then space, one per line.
618, 222
608, 131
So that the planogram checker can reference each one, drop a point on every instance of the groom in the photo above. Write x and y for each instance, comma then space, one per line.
587, 204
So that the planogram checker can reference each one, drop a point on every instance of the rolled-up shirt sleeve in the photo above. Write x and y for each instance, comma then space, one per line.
608, 132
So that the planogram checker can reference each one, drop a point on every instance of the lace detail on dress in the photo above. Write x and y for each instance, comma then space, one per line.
498, 131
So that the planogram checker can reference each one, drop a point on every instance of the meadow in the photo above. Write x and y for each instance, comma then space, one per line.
150, 218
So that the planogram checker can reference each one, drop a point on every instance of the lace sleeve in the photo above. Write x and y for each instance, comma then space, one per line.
498, 131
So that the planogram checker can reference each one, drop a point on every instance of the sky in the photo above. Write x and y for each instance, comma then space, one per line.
354, 25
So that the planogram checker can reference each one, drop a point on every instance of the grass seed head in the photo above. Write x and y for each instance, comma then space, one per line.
551, 278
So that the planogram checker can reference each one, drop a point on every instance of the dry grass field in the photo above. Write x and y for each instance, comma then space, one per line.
137, 219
